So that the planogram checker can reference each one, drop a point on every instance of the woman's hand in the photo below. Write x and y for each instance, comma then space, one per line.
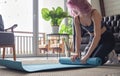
74, 57
84, 59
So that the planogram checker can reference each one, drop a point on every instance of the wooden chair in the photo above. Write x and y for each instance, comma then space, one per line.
7, 38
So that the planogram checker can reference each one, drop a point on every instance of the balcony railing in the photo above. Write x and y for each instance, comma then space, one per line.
23, 43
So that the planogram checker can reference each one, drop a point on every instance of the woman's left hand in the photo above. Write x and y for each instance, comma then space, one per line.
84, 59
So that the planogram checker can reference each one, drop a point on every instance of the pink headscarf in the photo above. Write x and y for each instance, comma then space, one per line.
82, 5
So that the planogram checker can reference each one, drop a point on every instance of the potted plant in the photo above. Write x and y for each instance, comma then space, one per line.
55, 16
66, 28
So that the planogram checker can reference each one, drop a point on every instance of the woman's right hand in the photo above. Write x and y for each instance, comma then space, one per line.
74, 57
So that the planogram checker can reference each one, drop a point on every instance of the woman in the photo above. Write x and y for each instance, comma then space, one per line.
102, 40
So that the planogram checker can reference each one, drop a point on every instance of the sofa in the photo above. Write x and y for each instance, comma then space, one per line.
112, 23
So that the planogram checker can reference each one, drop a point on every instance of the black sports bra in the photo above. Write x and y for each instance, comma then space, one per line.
90, 28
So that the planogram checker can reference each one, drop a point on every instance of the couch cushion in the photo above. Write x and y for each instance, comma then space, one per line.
6, 38
1, 24
117, 37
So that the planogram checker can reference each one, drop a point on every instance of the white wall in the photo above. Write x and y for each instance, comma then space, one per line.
112, 7
96, 5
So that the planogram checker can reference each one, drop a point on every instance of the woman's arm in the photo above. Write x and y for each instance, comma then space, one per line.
97, 34
78, 36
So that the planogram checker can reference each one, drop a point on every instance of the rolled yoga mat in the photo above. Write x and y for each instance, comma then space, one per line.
65, 63
91, 61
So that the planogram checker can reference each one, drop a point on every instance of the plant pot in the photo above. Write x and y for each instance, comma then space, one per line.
55, 29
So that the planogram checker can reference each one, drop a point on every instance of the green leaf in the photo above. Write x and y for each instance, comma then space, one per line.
45, 14
56, 15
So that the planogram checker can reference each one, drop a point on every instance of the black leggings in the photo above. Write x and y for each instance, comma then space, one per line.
105, 46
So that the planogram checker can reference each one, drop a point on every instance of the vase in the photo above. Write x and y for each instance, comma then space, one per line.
55, 29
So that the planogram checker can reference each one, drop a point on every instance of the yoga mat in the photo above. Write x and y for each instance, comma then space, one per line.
16, 65
91, 61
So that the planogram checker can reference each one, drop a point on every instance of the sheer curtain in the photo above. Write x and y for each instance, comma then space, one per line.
19, 12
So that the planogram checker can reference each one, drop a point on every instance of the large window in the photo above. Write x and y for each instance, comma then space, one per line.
19, 12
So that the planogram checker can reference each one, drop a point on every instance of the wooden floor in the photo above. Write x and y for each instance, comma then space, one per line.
105, 70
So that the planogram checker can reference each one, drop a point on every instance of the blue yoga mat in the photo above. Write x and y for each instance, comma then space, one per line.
63, 64
91, 61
